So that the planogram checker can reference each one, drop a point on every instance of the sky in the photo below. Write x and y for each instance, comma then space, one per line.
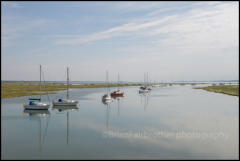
172, 41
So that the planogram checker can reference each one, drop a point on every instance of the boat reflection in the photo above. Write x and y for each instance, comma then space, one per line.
39, 115
67, 109
36, 112
117, 97
144, 96
118, 103
107, 103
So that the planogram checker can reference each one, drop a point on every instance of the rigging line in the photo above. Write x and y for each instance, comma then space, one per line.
40, 82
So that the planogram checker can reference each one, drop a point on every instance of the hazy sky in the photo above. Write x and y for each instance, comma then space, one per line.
169, 40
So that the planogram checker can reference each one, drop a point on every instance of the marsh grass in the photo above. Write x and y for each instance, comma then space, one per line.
9, 90
225, 89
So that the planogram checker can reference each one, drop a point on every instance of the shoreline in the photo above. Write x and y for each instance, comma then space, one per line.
11, 90
20, 89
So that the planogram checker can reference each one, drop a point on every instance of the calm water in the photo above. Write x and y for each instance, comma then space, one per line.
173, 122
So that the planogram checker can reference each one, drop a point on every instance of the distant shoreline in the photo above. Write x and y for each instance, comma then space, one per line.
122, 82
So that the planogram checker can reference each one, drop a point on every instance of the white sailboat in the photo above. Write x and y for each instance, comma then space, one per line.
107, 97
35, 103
65, 102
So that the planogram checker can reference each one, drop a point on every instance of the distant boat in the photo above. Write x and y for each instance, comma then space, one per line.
65, 102
35, 103
117, 93
148, 86
107, 97
144, 89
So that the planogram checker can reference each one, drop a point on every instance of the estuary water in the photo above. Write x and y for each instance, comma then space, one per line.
172, 122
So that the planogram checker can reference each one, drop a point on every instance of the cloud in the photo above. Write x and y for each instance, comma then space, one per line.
207, 25
11, 4
13, 29
203, 28
115, 31
175, 43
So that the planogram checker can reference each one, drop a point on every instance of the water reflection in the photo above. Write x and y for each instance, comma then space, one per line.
38, 115
144, 99
118, 98
107, 103
36, 112
178, 123
67, 109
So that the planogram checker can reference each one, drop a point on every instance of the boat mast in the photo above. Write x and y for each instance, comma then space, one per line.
40, 81
144, 79
147, 79
118, 82
107, 82
67, 83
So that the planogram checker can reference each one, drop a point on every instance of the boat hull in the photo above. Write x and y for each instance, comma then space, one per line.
106, 97
36, 107
117, 94
70, 103
64, 104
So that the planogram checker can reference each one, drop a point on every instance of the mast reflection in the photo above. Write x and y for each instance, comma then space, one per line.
107, 103
67, 109
38, 115
118, 103
144, 96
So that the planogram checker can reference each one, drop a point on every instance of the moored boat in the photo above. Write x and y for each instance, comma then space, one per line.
35, 103
143, 89
67, 101
107, 96
117, 93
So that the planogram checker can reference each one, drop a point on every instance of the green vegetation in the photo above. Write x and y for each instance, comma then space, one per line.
9, 90
18, 89
225, 89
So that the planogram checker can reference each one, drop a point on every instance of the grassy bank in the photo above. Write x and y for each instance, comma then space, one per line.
225, 89
18, 89
9, 90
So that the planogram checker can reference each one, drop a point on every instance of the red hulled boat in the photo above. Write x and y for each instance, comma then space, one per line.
117, 93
